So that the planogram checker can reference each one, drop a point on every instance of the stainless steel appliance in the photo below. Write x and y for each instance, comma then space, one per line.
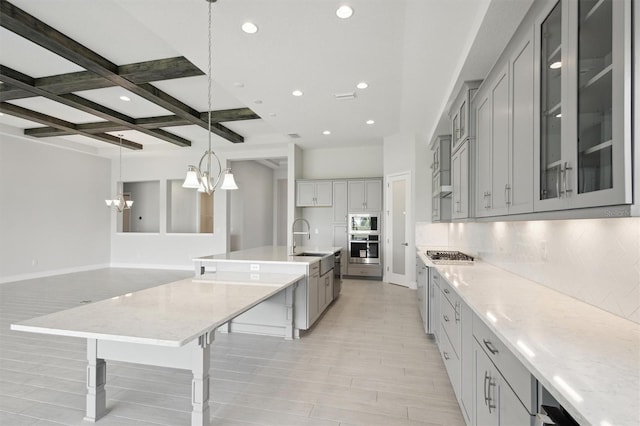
337, 274
364, 238
444, 257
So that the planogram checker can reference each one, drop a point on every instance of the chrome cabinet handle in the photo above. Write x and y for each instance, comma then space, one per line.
446, 291
507, 194
445, 355
457, 312
567, 190
446, 318
484, 386
558, 179
490, 346
490, 399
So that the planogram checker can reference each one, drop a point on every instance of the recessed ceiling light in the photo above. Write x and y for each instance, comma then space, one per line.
273, 114
362, 85
555, 65
326, 132
257, 101
370, 122
344, 12
238, 84
125, 98
297, 93
249, 28
1, 114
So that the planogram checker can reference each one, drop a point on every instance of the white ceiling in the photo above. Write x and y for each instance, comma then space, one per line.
413, 54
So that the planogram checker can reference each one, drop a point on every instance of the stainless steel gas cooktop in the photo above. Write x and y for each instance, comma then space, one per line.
444, 257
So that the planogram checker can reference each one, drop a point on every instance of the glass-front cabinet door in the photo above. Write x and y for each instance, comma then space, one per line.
584, 105
550, 104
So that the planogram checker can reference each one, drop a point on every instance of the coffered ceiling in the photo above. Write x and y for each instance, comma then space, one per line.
67, 63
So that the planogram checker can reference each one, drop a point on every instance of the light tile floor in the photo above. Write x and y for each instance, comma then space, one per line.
366, 362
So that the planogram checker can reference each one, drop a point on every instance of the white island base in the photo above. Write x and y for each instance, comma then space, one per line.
171, 325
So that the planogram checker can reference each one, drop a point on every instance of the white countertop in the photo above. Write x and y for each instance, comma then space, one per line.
168, 315
278, 254
586, 357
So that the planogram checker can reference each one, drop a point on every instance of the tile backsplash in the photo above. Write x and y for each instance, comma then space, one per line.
594, 260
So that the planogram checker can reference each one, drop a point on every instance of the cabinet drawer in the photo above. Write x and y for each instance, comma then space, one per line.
450, 319
451, 361
516, 374
314, 268
363, 271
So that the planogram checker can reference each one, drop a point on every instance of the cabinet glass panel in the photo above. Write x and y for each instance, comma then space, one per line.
594, 95
551, 111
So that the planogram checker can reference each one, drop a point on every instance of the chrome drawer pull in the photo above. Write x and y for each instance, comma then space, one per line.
446, 318
445, 355
490, 346
446, 291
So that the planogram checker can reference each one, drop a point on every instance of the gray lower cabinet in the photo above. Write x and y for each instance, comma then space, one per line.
314, 281
454, 339
492, 387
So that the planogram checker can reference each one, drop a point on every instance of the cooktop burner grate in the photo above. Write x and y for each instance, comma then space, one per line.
444, 257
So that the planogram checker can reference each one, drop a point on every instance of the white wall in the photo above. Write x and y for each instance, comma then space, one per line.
162, 250
347, 162
53, 218
145, 211
251, 206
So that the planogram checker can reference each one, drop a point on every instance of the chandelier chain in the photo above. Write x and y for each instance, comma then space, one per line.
210, 77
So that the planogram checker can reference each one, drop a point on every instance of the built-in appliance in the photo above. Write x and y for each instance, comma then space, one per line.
364, 249
363, 223
337, 274
444, 257
364, 238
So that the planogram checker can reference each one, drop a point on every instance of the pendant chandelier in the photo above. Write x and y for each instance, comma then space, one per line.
201, 178
119, 202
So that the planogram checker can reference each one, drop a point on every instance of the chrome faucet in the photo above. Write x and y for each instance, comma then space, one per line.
294, 233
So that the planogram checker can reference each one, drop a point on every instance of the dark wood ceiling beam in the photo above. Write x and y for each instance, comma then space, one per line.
25, 82
66, 126
142, 72
36, 31
236, 114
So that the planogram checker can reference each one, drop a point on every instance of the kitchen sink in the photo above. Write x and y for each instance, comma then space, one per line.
312, 254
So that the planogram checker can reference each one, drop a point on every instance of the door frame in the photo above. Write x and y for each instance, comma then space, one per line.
406, 280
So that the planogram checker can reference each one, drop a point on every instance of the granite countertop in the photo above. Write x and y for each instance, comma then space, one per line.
168, 315
586, 357
278, 254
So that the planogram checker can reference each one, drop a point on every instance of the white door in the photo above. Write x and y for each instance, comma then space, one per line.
399, 241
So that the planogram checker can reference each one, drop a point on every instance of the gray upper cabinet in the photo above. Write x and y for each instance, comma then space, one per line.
365, 195
504, 135
460, 182
583, 105
441, 178
340, 201
460, 114
313, 193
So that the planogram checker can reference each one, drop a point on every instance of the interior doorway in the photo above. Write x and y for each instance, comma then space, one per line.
399, 239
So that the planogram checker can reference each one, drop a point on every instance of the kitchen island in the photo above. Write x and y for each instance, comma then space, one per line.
313, 294
586, 358
171, 325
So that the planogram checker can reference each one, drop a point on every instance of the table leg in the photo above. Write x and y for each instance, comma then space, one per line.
289, 297
96, 379
200, 382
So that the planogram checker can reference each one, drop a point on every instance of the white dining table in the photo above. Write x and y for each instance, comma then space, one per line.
171, 325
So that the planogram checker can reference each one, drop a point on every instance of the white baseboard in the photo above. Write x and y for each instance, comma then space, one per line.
50, 273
